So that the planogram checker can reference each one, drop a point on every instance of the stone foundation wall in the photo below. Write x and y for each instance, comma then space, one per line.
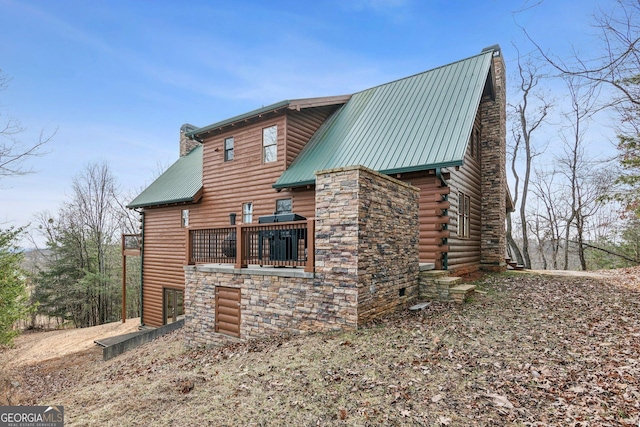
271, 302
367, 262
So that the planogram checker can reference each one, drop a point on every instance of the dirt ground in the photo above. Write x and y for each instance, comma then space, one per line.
530, 350
37, 347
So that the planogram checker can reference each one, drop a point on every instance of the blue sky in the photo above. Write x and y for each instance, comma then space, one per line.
117, 79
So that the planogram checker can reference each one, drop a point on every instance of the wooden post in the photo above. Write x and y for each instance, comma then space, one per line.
310, 266
124, 282
189, 249
240, 249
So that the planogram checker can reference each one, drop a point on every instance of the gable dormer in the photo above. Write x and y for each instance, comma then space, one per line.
271, 135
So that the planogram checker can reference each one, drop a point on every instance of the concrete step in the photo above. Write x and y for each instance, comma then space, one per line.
461, 292
427, 266
420, 306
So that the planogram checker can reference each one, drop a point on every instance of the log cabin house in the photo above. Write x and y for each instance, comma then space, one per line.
351, 193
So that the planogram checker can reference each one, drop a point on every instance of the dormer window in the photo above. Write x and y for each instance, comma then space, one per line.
228, 149
270, 144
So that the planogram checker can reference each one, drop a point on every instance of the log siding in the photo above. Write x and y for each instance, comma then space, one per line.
464, 252
163, 259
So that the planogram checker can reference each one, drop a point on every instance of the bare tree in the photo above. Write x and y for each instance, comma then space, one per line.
13, 151
83, 276
616, 66
619, 59
529, 114
512, 246
549, 214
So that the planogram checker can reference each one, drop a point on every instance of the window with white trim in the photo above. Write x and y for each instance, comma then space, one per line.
228, 149
247, 213
270, 144
185, 218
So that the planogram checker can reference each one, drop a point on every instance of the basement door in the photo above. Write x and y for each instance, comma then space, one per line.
173, 305
228, 311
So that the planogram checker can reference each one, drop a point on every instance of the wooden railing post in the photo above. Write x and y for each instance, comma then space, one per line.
241, 257
124, 282
189, 249
310, 265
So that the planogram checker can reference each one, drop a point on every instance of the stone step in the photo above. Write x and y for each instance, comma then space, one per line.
461, 292
448, 281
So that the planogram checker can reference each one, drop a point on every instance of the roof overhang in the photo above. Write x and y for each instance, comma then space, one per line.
260, 113
396, 171
182, 201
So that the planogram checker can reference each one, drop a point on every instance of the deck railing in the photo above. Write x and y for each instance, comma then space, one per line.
283, 244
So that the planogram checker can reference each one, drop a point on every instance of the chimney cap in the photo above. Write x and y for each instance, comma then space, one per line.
493, 48
187, 127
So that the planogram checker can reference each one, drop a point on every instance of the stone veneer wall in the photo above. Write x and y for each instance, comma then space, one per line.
493, 244
366, 252
367, 238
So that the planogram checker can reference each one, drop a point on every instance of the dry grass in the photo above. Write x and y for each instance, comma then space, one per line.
532, 351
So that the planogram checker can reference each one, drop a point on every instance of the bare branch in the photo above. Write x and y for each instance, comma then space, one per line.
13, 151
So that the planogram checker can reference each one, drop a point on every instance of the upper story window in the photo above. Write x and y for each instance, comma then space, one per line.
185, 218
228, 149
269, 144
247, 213
284, 206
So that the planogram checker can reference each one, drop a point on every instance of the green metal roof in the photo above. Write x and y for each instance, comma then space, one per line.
179, 184
416, 123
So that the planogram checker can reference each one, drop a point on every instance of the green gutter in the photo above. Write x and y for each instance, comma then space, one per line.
385, 172
163, 203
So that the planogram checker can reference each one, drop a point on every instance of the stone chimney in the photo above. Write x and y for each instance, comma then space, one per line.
493, 245
187, 144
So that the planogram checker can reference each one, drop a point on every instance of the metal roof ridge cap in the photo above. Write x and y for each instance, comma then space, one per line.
488, 52
311, 102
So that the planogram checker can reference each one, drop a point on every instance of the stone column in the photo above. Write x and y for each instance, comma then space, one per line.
367, 234
186, 144
494, 178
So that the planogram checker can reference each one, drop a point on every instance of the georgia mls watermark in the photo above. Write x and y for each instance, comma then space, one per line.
31, 416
